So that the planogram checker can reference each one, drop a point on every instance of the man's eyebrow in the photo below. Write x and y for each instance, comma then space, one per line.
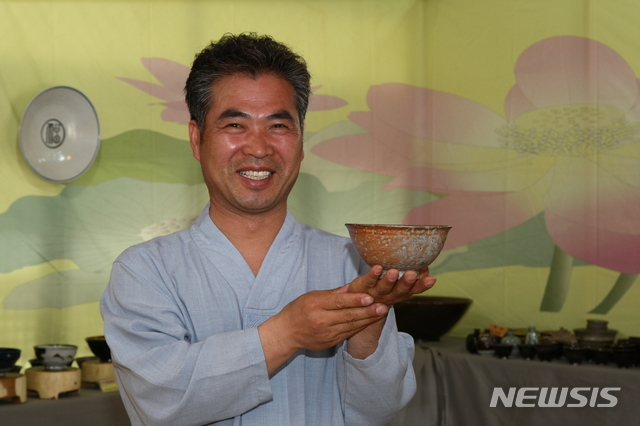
233, 113
280, 115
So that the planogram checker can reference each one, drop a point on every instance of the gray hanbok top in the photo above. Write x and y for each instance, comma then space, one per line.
181, 313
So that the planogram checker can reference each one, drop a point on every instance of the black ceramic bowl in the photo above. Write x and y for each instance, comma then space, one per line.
527, 351
503, 350
430, 317
8, 358
546, 351
575, 355
601, 355
623, 356
99, 347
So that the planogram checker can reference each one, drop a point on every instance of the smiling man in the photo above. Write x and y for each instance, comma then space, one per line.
250, 317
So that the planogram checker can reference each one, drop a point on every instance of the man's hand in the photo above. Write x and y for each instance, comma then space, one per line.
391, 288
387, 289
317, 320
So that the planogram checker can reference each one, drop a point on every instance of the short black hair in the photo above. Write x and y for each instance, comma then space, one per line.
249, 54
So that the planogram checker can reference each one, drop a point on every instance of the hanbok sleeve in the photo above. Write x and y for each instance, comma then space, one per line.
164, 378
376, 388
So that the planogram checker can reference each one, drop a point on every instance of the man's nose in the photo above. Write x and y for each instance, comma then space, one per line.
258, 144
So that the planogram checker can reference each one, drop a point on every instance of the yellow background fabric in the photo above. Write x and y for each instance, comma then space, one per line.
465, 48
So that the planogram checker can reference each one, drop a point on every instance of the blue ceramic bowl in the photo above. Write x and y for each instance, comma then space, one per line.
8, 358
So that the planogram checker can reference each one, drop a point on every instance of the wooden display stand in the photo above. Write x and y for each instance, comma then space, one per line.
93, 372
50, 384
14, 386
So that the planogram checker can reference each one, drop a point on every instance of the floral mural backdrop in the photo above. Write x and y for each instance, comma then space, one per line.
524, 137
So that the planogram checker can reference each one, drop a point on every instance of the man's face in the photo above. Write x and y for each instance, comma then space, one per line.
251, 146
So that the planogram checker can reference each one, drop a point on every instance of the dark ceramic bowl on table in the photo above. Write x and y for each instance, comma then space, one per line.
503, 350
623, 354
546, 351
427, 318
601, 355
527, 351
8, 358
575, 354
99, 347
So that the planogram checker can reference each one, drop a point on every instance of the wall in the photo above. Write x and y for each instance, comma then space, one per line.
513, 121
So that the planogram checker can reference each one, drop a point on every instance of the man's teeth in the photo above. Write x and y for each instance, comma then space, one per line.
256, 175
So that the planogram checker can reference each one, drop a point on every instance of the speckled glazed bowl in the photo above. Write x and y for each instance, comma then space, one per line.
56, 356
8, 358
401, 247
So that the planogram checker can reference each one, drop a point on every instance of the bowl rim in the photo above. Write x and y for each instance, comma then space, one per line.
390, 226
56, 346
96, 338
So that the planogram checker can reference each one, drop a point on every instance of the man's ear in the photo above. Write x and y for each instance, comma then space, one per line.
194, 139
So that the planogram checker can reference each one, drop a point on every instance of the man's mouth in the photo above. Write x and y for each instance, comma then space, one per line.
255, 174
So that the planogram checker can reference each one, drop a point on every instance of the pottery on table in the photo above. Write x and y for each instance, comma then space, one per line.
503, 350
429, 317
472, 341
511, 339
623, 354
55, 357
486, 343
8, 358
99, 347
81, 360
596, 335
575, 354
527, 351
546, 351
601, 354
636, 341
401, 247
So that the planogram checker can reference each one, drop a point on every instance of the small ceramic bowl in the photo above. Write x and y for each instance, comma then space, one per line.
503, 350
427, 318
623, 355
601, 355
56, 356
8, 358
99, 347
401, 247
575, 354
527, 351
546, 351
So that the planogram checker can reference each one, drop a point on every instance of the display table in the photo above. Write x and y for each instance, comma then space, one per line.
456, 388
89, 407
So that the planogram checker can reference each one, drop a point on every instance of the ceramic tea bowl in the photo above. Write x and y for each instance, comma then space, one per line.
56, 356
429, 317
99, 347
546, 351
527, 351
623, 354
503, 350
401, 247
575, 354
8, 358
601, 355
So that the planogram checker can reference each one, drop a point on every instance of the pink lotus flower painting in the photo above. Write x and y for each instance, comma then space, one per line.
172, 77
568, 146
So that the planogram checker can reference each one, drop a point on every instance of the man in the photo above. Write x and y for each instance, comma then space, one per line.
249, 317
